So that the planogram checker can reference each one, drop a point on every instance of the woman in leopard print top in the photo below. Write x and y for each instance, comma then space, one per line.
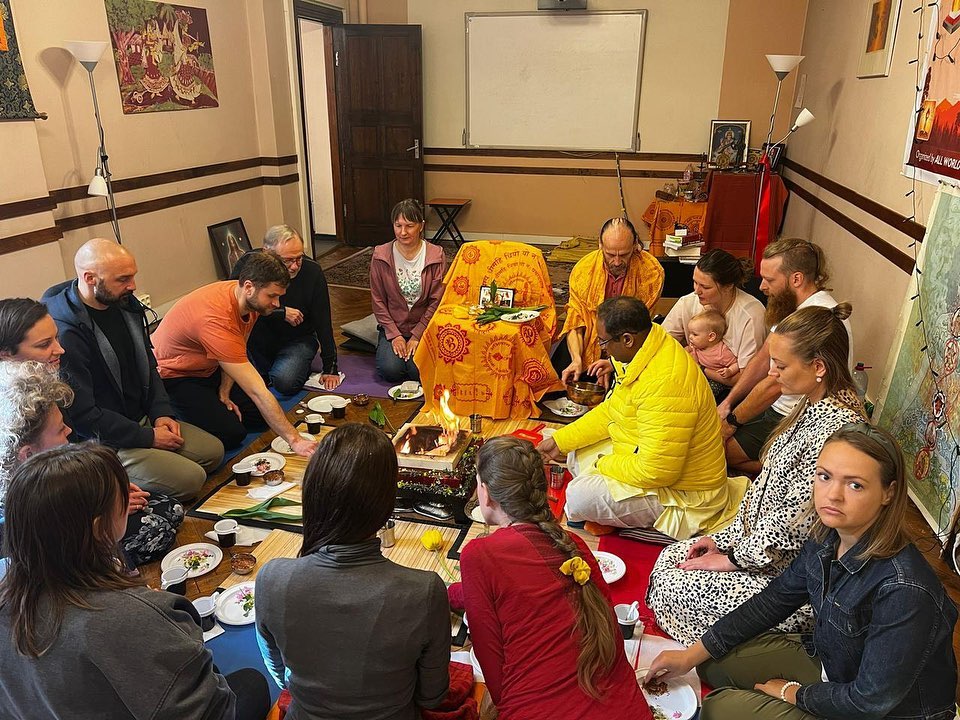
696, 582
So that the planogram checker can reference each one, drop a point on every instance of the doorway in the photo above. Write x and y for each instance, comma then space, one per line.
316, 103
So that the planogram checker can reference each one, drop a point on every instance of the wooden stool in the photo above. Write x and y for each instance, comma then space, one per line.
448, 209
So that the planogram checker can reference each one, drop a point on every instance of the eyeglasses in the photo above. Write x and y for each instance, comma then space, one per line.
602, 343
290, 262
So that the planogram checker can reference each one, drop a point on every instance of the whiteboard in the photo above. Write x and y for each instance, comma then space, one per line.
564, 80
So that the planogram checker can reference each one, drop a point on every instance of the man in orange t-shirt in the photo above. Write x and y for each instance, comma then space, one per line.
201, 349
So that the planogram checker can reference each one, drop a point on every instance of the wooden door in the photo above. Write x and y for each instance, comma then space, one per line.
379, 96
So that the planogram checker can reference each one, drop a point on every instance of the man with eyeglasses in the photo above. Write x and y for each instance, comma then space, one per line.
283, 344
618, 267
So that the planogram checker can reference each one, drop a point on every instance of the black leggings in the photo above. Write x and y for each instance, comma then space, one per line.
253, 695
197, 401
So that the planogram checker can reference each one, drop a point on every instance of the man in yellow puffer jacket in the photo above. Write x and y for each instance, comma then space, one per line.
650, 455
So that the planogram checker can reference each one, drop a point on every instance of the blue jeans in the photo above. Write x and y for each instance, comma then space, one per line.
390, 367
289, 367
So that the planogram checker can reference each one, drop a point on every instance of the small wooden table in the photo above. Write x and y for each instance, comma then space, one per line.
448, 209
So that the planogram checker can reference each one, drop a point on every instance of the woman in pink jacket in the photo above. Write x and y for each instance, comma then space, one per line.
406, 282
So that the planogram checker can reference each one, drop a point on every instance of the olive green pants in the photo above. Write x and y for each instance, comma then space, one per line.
771, 655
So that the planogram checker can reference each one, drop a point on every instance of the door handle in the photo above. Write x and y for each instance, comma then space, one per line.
415, 148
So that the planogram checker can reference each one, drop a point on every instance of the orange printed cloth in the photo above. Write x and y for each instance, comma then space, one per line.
501, 369
588, 281
662, 215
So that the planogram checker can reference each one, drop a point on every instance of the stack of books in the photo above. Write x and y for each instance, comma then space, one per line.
685, 246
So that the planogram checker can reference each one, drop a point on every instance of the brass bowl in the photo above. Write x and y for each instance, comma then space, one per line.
361, 399
243, 563
273, 477
585, 393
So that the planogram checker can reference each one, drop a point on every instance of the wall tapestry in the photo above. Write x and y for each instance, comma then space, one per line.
933, 140
15, 100
920, 391
163, 55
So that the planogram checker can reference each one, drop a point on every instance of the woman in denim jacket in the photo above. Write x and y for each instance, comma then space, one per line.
882, 643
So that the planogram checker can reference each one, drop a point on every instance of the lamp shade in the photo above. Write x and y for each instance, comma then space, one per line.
804, 118
784, 63
98, 186
87, 52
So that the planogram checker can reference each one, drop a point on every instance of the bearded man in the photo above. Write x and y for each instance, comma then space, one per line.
201, 348
618, 267
794, 275
108, 361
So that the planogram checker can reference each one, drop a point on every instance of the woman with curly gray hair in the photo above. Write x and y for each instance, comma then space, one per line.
31, 420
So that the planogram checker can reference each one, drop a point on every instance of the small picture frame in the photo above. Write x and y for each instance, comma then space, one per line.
230, 241
774, 153
504, 297
729, 144
880, 33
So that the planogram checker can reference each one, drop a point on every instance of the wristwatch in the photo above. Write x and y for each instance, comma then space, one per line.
732, 558
732, 419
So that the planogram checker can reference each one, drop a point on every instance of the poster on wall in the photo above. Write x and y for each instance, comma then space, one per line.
933, 138
163, 55
15, 100
920, 391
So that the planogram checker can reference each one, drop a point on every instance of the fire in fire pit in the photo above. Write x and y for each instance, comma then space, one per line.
433, 447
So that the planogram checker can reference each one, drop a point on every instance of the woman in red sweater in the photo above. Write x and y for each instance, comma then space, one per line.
540, 616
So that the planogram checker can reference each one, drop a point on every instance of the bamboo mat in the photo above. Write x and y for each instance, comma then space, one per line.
230, 497
407, 551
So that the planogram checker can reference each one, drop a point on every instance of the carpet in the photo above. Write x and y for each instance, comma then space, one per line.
639, 558
361, 372
354, 272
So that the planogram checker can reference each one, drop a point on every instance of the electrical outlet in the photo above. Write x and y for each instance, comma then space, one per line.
144, 299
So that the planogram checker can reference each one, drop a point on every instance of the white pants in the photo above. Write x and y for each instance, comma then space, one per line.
589, 499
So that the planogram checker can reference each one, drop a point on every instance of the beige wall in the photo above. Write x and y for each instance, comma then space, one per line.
858, 141
703, 60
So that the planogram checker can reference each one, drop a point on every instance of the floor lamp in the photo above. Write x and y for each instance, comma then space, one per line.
781, 66
88, 54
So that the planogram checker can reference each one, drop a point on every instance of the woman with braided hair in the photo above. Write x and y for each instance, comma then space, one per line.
540, 615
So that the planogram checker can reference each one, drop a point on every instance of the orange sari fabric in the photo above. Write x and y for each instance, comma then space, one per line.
498, 370
588, 280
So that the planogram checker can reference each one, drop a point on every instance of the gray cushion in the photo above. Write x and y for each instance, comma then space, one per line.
364, 329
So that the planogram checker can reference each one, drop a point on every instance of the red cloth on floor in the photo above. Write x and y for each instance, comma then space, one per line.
639, 558
459, 703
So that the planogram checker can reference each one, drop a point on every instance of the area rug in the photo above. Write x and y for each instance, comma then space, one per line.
354, 271
361, 376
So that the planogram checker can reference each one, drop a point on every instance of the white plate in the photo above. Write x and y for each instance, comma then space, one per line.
565, 407
679, 702
320, 405
283, 447
333, 400
276, 462
394, 392
230, 608
521, 316
612, 567
477, 516
177, 557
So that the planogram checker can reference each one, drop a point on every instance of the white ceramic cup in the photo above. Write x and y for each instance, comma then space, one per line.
173, 577
337, 402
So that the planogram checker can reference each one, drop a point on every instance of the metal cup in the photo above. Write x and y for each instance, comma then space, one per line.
476, 423
388, 537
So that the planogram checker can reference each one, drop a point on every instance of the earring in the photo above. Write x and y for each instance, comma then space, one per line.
819, 379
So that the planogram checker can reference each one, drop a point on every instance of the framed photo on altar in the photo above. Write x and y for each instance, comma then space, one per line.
229, 240
729, 141
504, 297
774, 151
876, 51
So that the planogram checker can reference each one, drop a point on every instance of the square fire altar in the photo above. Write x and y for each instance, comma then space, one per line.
430, 447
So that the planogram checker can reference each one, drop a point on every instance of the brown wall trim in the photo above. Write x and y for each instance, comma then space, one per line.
79, 192
566, 154
19, 208
570, 171
893, 219
103, 216
897, 257
29, 239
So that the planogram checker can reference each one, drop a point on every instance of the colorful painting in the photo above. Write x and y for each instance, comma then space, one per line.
933, 139
920, 392
163, 55
728, 143
15, 100
882, 17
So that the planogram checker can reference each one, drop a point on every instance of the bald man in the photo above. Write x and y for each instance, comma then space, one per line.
109, 362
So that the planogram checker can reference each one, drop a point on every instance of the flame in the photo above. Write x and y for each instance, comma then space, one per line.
448, 420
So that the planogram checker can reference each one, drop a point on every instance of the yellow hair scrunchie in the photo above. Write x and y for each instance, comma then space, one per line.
578, 568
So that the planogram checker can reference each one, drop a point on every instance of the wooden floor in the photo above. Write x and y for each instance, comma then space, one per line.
348, 304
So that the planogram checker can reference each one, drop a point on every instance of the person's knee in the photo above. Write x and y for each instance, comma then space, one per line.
392, 371
580, 500
288, 383
725, 704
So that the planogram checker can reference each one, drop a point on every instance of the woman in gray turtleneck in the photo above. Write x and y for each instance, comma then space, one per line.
347, 632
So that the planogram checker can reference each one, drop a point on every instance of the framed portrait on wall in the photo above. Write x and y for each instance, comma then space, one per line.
881, 30
729, 140
229, 240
